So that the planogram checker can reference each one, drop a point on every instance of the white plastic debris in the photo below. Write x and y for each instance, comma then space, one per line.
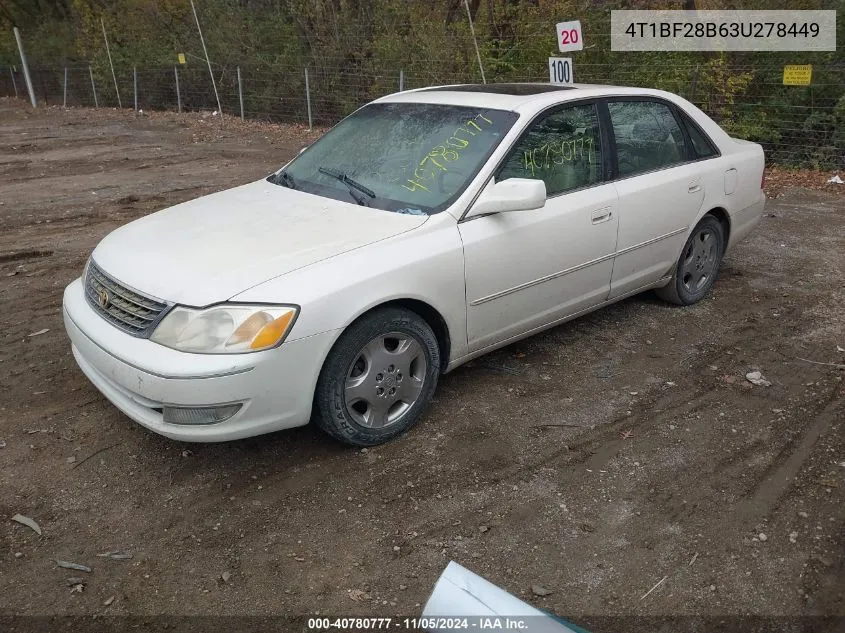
459, 592
756, 378
836, 180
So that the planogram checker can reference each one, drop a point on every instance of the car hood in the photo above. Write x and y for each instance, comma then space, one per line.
212, 248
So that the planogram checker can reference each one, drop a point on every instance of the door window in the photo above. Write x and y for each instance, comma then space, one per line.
648, 136
563, 149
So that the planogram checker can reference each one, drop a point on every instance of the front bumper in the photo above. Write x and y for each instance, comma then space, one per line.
275, 387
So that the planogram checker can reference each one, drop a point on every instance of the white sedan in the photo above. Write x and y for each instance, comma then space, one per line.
429, 227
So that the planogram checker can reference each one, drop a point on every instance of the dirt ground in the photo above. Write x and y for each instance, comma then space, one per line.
593, 460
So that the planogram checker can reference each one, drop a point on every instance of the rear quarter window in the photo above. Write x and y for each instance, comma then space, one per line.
702, 146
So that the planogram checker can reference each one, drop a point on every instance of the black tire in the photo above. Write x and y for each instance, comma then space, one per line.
348, 369
698, 257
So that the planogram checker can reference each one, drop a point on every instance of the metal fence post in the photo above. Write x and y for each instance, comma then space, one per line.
64, 101
25, 67
44, 90
135, 85
93, 86
207, 61
178, 92
694, 83
401, 80
14, 83
113, 75
240, 93
308, 100
475, 42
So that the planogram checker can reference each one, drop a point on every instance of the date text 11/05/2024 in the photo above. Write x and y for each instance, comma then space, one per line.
481, 623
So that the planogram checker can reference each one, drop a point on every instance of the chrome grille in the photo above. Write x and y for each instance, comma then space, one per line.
123, 307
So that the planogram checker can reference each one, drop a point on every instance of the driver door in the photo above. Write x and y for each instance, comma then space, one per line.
526, 269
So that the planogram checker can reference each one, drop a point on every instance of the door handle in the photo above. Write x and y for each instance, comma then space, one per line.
602, 215
694, 187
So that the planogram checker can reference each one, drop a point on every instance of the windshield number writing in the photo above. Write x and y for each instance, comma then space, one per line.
440, 155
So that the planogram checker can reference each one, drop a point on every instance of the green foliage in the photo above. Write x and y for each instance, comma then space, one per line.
355, 49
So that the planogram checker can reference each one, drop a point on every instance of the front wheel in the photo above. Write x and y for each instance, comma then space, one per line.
378, 378
698, 265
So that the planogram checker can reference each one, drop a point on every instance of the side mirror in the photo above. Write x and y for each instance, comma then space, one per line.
513, 194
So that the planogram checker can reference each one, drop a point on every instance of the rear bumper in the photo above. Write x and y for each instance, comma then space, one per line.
275, 387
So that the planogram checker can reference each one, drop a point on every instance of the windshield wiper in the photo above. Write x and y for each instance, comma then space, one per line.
351, 184
284, 179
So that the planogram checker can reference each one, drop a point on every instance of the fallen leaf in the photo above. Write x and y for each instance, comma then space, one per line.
68, 565
358, 595
116, 555
30, 523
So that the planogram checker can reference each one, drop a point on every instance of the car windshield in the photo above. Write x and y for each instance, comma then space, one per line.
413, 158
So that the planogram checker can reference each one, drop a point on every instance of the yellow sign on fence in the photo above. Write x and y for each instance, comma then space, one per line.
797, 75
182, 59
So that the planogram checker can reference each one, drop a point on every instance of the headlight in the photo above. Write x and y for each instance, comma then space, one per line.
225, 329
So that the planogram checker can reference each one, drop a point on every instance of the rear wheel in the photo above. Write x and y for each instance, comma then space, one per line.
698, 265
378, 378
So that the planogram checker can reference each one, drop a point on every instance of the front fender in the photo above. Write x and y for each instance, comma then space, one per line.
425, 264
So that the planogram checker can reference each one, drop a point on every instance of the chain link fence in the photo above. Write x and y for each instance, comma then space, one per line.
797, 125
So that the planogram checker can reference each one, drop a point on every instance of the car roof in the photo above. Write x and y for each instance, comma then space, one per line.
514, 89
518, 97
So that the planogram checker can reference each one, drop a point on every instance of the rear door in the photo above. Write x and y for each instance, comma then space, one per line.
660, 190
